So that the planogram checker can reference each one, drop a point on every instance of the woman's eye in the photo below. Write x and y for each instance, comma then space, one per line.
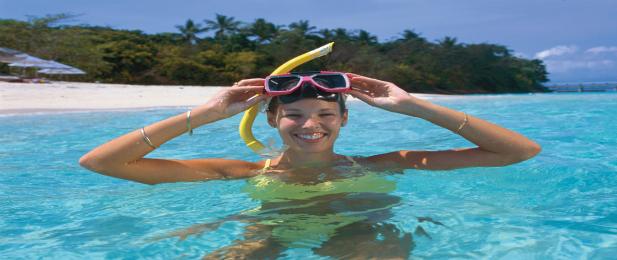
328, 114
292, 115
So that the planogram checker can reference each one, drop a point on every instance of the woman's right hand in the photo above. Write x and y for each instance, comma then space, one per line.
378, 93
242, 95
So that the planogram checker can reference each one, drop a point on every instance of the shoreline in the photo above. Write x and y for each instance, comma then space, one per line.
69, 97
52, 111
78, 97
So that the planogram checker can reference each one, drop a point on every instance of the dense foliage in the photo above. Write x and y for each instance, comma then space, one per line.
237, 50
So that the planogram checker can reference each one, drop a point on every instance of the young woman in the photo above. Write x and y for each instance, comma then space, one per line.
308, 121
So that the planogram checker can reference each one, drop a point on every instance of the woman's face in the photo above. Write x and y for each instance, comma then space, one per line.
308, 125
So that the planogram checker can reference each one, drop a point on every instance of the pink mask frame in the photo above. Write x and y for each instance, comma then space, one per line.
310, 80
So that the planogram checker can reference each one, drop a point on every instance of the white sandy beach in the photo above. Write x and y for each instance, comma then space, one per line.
26, 98
19, 98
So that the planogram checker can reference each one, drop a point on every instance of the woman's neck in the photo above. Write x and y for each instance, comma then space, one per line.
291, 159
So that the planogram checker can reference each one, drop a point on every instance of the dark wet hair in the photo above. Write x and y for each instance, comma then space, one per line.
307, 91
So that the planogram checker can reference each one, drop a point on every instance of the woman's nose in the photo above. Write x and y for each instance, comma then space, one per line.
311, 121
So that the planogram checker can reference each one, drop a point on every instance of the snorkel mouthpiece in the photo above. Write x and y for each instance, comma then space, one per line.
245, 128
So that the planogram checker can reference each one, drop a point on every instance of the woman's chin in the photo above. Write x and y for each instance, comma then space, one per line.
310, 147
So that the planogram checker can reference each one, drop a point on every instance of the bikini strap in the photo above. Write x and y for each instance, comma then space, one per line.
354, 163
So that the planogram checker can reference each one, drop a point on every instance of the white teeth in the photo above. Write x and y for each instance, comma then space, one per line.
311, 136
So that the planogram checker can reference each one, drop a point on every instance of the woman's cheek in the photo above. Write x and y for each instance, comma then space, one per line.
286, 123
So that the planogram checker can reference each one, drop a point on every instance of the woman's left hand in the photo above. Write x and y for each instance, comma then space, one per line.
379, 93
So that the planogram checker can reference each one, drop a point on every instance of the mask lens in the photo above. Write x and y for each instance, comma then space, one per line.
331, 80
283, 83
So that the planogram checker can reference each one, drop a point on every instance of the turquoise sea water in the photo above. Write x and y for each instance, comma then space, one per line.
561, 204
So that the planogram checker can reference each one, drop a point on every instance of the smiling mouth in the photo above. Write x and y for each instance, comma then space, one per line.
311, 138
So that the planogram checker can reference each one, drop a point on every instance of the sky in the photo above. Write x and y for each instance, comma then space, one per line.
576, 39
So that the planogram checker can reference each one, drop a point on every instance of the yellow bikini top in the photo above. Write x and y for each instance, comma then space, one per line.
269, 161
267, 188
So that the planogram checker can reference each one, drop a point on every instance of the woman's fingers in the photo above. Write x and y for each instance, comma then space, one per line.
244, 91
247, 96
249, 82
367, 84
372, 91
255, 99
361, 85
250, 88
362, 96
239, 106
370, 81
375, 86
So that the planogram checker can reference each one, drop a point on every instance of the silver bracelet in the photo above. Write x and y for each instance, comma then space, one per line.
188, 122
147, 139
458, 131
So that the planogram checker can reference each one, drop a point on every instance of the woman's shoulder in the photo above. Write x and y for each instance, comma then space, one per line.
384, 161
359, 159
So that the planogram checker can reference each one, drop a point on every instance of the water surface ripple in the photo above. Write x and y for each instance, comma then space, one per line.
561, 204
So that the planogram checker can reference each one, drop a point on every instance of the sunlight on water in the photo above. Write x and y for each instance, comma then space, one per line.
561, 204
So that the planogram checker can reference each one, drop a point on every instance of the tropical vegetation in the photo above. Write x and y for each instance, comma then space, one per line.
223, 50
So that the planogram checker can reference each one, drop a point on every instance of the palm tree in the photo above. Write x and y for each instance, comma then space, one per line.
365, 37
189, 31
223, 26
448, 42
263, 30
326, 34
50, 19
303, 27
341, 34
411, 35
337, 34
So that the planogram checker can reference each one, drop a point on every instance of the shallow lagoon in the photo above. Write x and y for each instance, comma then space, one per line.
561, 204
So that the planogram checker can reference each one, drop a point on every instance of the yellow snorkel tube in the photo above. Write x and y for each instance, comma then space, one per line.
246, 125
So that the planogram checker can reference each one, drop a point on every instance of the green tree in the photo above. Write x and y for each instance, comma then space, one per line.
303, 27
50, 20
167, 38
448, 43
263, 31
364, 37
223, 26
189, 31
342, 34
411, 35
129, 59
17, 35
124, 56
239, 65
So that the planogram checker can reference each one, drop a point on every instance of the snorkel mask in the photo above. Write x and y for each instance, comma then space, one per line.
245, 129
291, 87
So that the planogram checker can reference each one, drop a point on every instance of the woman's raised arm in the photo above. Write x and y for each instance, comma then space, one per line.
123, 157
497, 146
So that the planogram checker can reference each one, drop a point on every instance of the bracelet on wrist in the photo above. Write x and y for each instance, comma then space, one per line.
188, 123
458, 131
146, 139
